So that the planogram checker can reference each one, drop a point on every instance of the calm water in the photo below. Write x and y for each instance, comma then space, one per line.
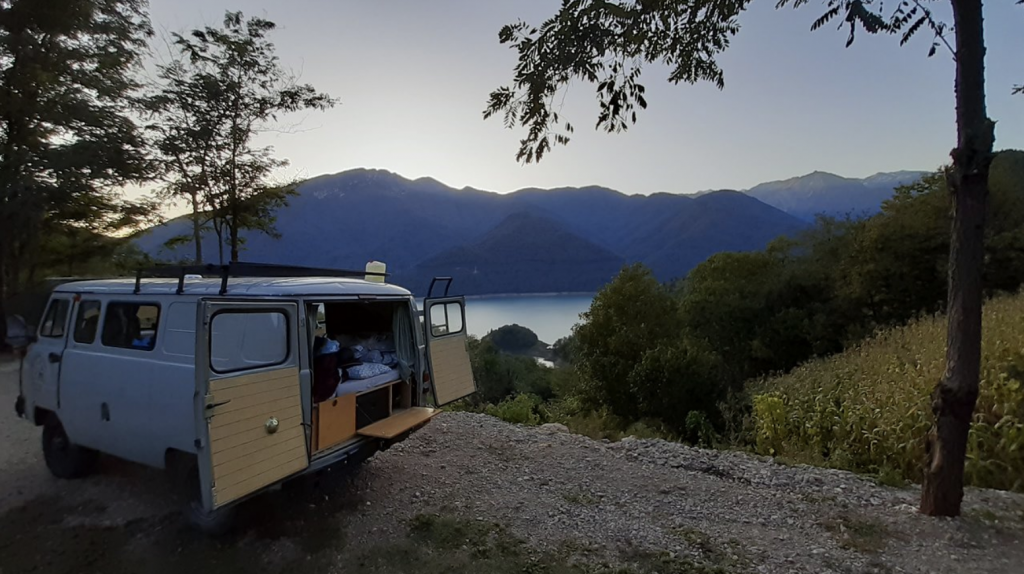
550, 316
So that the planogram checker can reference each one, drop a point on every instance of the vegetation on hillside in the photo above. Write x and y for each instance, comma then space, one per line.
677, 360
621, 36
867, 408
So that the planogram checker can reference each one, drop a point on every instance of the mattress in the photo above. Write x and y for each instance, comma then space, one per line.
354, 386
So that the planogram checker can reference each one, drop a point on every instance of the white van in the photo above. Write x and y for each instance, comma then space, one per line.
244, 377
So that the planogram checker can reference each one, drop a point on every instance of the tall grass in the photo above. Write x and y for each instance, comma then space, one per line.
868, 409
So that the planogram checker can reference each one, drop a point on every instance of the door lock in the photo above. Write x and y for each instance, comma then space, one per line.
271, 425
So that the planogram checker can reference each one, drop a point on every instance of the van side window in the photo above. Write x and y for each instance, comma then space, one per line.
131, 325
55, 319
244, 340
87, 321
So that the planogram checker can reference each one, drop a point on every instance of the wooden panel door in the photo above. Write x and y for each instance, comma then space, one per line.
249, 404
451, 374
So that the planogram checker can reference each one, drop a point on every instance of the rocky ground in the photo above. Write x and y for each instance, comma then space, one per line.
473, 493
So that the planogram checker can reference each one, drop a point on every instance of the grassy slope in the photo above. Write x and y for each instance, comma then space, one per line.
868, 409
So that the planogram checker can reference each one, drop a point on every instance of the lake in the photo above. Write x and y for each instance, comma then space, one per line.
550, 316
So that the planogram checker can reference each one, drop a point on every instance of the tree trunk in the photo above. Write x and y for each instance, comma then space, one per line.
955, 395
220, 246
3, 297
234, 242
197, 237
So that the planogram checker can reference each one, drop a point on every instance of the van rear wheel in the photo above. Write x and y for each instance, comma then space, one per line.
64, 458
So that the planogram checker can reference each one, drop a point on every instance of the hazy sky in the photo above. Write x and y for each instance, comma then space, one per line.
413, 77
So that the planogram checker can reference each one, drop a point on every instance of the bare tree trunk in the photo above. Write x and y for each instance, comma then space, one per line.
234, 242
3, 297
197, 237
220, 246
955, 395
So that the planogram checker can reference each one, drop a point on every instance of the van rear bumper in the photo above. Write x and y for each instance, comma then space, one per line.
351, 454
358, 451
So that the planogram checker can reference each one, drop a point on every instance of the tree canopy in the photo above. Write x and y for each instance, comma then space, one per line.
223, 87
68, 140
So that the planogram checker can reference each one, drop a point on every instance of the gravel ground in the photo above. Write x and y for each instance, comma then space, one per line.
556, 491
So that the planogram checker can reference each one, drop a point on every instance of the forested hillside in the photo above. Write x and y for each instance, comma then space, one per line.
687, 360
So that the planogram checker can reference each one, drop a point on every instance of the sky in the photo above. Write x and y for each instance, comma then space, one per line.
413, 78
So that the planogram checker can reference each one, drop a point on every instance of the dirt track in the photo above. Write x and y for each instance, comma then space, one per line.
567, 497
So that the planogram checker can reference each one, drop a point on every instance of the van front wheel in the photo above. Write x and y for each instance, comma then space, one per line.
64, 458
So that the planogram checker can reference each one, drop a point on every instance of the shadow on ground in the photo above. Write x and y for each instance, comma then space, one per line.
295, 529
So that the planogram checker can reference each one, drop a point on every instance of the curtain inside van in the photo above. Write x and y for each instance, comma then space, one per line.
405, 342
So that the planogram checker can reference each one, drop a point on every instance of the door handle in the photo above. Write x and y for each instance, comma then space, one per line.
215, 405
54, 357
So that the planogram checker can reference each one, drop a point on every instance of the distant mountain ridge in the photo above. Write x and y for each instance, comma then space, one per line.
825, 193
531, 240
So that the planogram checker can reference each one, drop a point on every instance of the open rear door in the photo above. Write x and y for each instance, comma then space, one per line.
248, 404
451, 373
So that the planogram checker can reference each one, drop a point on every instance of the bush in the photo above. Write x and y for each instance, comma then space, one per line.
499, 376
699, 430
521, 409
868, 409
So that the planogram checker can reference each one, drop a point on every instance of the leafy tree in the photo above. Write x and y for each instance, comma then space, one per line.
898, 264
564, 349
68, 143
223, 87
629, 317
606, 42
500, 376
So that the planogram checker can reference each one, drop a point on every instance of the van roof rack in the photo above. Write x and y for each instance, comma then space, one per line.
241, 269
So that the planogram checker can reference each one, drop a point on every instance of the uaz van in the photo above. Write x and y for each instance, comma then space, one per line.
242, 375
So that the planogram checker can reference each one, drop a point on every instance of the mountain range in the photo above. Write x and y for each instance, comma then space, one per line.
528, 241
825, 193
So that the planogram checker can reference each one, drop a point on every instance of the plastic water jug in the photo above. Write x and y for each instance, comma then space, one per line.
376, 267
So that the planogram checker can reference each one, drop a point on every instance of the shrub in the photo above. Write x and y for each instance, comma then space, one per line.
699, 430
520, 409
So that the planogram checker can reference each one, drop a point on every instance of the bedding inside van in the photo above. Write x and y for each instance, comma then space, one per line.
355, 386
365, 352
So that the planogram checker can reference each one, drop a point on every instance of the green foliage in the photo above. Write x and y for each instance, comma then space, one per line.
68, 142
868, 408
606, 43
633, 359
675, 360
499, 375
629, 317
521, 409
564, 349
223, 87
699, 430
513, 338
